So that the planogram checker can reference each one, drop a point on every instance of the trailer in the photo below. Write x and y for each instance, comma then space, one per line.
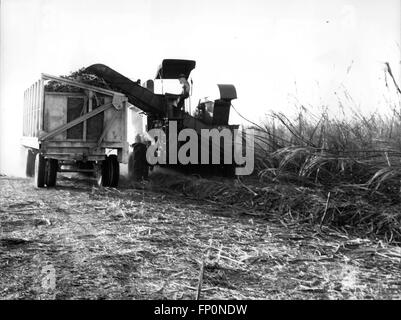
80, 130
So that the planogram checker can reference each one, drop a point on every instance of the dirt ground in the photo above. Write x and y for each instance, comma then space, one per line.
78, 241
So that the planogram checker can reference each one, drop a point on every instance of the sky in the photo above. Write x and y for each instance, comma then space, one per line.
275, 52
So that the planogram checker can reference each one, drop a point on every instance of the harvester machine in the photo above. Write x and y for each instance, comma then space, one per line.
164, 109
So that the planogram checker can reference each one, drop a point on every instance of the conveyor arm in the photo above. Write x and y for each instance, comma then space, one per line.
141, 97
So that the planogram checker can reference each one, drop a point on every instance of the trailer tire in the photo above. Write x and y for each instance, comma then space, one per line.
51, 172
114, 166
40, 171
30, 163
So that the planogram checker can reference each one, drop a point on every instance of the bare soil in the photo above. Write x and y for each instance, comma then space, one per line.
78, 241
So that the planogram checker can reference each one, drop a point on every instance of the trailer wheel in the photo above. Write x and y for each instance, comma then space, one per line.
103, 174
40, 171
51, 172
30, 163
114, 170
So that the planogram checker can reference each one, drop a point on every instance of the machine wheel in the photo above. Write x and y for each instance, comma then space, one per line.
30, 163
228, 170
40, 171
114, 170
51, 172
103, 173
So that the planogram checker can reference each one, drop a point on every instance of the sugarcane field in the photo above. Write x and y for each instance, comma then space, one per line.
245, 152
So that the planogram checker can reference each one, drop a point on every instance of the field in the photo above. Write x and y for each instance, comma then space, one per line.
320, 218
78, 241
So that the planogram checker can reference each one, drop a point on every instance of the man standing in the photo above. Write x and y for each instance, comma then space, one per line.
138, 167
185, 91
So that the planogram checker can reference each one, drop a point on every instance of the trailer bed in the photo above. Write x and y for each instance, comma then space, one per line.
79, 126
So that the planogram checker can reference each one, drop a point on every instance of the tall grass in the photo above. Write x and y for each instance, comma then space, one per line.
339, 168
347, 147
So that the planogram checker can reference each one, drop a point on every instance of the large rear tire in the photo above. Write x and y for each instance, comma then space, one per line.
229, 170
40, 171
51, 172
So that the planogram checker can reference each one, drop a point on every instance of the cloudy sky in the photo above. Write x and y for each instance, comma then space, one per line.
274, 52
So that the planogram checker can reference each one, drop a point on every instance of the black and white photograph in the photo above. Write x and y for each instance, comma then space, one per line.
215, 151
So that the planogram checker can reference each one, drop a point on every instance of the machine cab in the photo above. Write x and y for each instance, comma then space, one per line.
171, 80
173, 68
168, 74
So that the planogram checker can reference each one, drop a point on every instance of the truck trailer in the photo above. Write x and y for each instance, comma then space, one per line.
82, 130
